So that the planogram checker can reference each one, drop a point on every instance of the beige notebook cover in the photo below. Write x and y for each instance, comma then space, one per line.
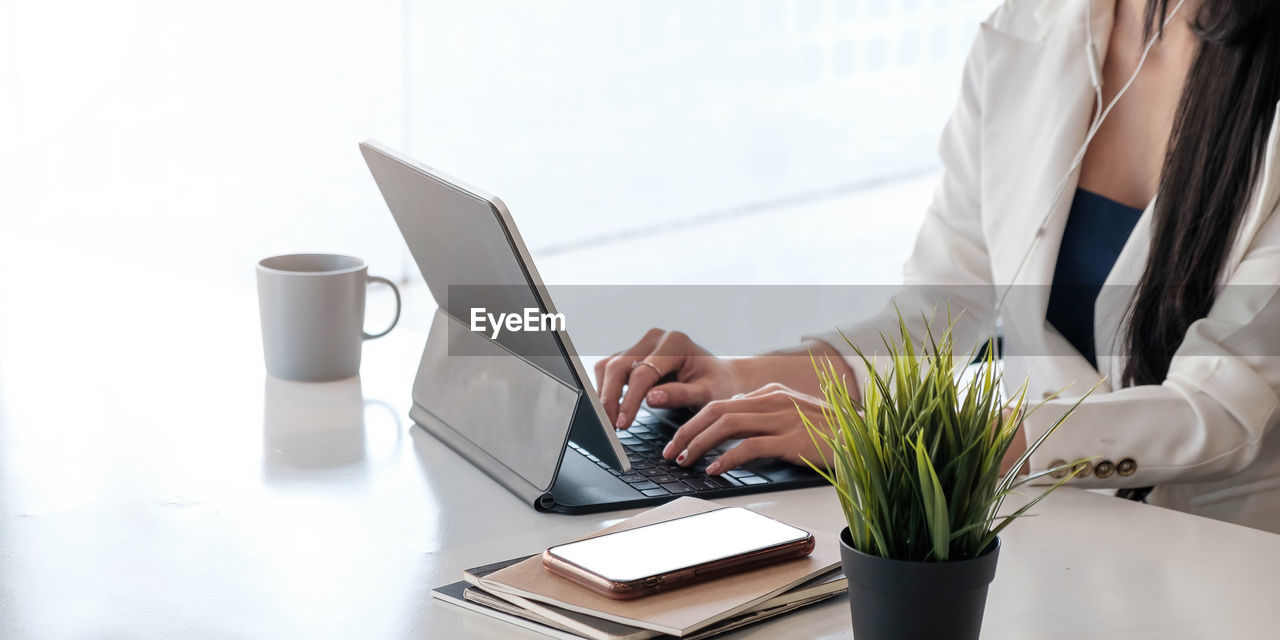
482, 598
814, 590
678, 612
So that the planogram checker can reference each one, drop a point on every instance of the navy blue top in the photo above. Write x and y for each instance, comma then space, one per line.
1097, 229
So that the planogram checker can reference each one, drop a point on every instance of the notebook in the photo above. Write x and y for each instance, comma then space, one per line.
679, 612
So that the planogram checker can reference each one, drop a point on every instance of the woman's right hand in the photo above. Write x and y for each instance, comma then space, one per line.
699, 377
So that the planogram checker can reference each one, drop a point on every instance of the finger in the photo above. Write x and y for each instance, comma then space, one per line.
616, 373
679, 394
712, 412
608, 400
665, 358
616, 370
748, 450
599, 371
772, 387
639, 382
779, 389
730, 426
693, 426
603, 363
612, 373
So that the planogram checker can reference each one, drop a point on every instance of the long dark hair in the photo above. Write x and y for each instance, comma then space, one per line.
1216, 152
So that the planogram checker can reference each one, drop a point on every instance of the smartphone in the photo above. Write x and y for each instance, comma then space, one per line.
658, 557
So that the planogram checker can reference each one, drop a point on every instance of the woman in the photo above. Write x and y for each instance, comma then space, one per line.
1171, 202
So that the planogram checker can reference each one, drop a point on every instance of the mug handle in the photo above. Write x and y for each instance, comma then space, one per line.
371, 336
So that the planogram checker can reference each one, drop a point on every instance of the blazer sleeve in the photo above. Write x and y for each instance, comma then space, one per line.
949, 269
1208, 419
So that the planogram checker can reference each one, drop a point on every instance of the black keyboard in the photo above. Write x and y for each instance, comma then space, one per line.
654, 476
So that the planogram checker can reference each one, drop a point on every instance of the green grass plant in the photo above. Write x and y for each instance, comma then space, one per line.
917, 462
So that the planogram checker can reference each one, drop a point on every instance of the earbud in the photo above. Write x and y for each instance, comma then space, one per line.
1094, 76
1090, 50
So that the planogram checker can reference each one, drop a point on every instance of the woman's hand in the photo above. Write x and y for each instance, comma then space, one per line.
699, 376
766, 420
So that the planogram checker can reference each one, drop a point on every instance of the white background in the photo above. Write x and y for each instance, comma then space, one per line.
734, 141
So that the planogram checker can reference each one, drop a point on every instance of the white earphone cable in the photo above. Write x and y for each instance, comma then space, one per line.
1099, 118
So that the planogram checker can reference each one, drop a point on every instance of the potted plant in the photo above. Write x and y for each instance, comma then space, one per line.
916, 466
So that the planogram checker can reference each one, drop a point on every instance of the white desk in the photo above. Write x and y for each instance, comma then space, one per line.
153, 484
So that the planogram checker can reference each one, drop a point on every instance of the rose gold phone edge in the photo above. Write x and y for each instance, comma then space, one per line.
680, 577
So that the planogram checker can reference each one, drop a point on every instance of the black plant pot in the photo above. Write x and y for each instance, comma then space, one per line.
900, 600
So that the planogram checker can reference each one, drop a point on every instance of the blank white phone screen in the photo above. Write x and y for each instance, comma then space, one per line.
677, 544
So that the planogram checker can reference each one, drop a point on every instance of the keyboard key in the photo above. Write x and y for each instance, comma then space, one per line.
754, 480
716, 480
628, 441
701, 483
677, 488
641, 464
638, 429
654, 419
653, 493
652, 472
684, 473
739, 473
641, 486
663, 479
632, 477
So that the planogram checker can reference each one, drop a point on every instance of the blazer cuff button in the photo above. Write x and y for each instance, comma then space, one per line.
1104, 469
1126, 467
1060, 473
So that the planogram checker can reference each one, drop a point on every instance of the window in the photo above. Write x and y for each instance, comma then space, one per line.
194, 139
602, 122
204, 137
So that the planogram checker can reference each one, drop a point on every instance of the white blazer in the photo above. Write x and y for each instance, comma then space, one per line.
1204, 437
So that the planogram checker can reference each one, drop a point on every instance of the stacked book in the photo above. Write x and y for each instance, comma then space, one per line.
521, 592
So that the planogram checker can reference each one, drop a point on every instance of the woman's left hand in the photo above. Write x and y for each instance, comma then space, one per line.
766, 420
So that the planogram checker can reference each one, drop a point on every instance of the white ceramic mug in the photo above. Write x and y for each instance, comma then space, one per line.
312, 307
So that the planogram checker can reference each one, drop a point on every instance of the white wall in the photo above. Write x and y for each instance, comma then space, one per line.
593, 119
195, 138
9, 183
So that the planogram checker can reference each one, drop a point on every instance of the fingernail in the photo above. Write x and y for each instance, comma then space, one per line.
622, 422
713, 468
680, 458
657, 396
668, 450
